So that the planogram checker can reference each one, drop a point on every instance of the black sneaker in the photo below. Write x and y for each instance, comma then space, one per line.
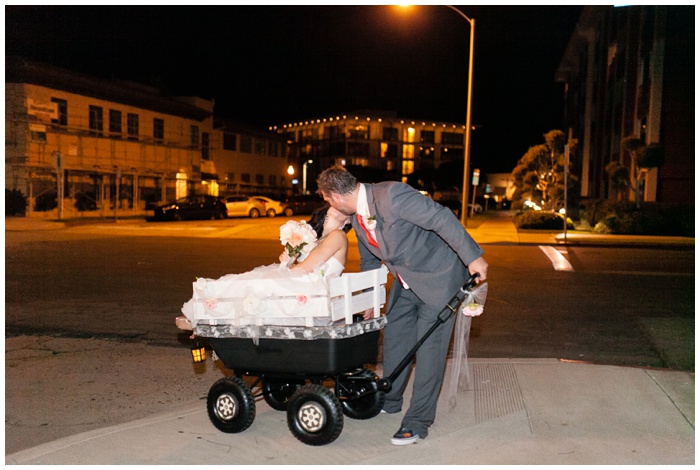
404, 436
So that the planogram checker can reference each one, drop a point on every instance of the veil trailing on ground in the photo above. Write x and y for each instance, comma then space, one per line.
471, 306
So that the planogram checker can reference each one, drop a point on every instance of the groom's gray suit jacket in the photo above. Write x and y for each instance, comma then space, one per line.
418, 239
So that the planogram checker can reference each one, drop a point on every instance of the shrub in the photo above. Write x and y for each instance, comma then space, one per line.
15, 202
542, 220
46, 202
650, 219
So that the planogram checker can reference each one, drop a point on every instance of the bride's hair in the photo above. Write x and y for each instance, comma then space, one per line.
318, 220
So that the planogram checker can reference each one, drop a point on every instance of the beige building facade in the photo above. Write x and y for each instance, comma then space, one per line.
77, 146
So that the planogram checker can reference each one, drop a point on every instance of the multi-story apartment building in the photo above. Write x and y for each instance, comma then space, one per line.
374, 139
630, 72
81, 146
251, 160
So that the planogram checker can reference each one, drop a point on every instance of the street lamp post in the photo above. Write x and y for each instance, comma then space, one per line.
468, 128
303, 173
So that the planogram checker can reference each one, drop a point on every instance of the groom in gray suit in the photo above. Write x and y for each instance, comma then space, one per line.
430, 255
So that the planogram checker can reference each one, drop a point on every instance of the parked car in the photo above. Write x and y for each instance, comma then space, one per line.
302, 204
192, 207
456, 206
244, 206
272, 207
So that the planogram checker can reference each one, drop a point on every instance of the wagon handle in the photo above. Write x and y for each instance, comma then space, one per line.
384, 384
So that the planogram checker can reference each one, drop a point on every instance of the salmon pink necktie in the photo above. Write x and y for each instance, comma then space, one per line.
370, 238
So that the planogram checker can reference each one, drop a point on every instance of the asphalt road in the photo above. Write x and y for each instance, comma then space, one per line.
608, 308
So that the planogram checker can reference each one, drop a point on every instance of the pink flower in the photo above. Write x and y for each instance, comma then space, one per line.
211, 304
302, 299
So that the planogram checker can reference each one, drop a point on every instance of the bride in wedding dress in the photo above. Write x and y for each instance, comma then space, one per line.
327, 259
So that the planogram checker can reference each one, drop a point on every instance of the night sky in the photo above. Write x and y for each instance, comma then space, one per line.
271, 65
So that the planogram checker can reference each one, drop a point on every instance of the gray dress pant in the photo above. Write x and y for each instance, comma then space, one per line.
407, 321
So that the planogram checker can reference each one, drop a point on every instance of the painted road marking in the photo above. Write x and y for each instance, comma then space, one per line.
558, 260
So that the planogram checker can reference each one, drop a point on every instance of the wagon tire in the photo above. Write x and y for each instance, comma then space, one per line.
277, 393
288, 212
314, 415
231, 405
271, 213
365, 407
254, 213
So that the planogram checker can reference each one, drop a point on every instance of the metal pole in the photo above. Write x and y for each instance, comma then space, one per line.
468, 127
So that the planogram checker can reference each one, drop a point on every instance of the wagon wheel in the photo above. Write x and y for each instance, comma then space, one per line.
314, 415
230, 405
359, 396
365, 407
277, 392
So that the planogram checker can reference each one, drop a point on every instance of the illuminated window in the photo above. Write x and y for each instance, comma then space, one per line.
181, 185
407, 167
409, 152
409, 134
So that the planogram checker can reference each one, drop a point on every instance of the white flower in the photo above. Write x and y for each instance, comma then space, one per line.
201, 283
473, 310
298, 238
372, 223
252, 304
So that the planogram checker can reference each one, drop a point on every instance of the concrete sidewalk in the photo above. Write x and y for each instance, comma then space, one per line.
516, 412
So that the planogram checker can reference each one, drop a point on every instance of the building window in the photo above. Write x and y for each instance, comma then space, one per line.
359, 132
158, 129
132, 126
452, 138
427, 153
229, 141
246, 144
427, 136
95, 120
390, 133
62, 112
389, 150
259, 147
205, 146
230, 177
259, 179
273, 149
115, 124
37, 132
194, 136
245, 177
409, 152
272, 180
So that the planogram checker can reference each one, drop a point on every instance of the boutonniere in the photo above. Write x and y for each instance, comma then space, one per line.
372, 222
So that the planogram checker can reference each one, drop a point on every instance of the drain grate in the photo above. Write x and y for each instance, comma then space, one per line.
497, 392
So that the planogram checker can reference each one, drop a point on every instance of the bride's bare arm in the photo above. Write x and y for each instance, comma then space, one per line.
322, 252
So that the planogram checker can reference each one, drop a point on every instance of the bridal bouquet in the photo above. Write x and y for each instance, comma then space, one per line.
298, 238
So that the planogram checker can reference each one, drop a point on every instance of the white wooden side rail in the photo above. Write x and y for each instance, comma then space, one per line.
347, 295
354, 293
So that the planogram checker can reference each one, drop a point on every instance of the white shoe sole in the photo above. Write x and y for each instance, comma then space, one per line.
404, 442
